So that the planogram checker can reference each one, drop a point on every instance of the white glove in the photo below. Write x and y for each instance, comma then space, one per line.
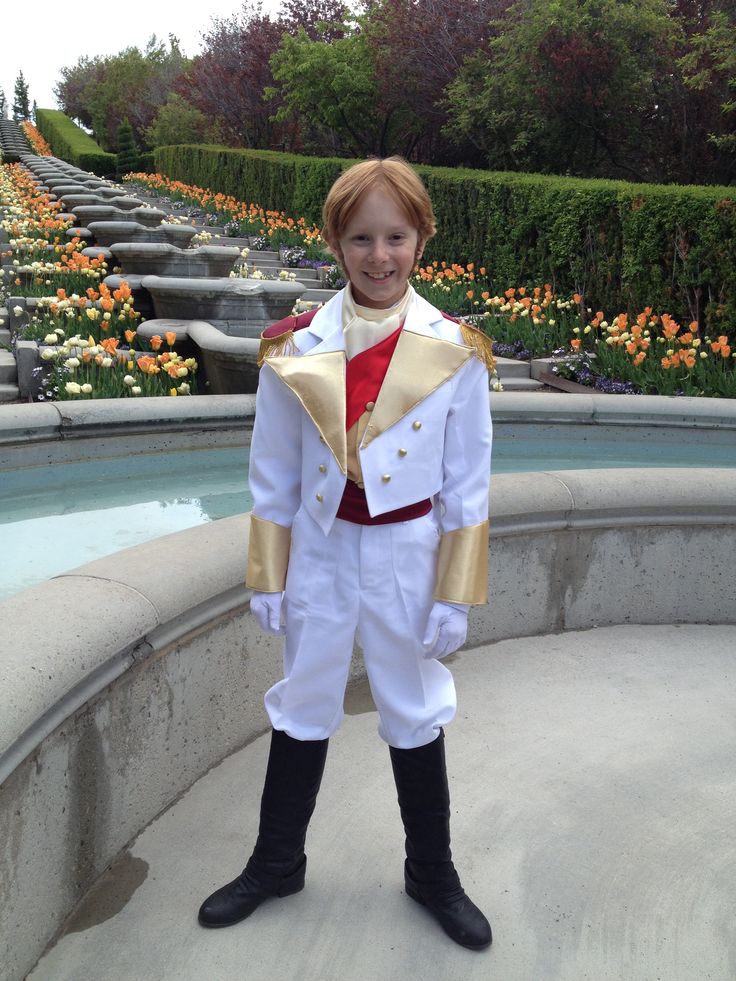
447, 628
266, 608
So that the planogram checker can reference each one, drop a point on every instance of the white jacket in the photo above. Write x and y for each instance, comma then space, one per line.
429, 437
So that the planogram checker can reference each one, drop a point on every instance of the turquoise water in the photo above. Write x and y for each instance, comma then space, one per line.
54, 518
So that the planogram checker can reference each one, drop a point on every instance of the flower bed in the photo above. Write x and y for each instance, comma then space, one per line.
238, 218
81, 368
39, 144
87, 333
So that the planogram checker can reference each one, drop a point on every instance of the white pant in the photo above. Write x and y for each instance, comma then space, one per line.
378, 580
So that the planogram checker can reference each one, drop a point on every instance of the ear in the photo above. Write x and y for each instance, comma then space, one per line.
420, 249
335, 249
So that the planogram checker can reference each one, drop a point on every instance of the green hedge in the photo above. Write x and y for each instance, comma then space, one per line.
146, 163
72, 144
620, 245
277, 181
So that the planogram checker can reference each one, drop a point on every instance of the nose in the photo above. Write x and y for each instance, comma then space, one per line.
379, 252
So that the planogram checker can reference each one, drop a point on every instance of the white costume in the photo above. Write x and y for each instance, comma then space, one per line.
428, 436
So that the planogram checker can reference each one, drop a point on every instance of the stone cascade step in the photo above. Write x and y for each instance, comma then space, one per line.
515, 376
8, 369
9, 393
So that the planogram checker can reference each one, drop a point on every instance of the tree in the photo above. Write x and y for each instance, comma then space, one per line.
3, 105
330, 90
418, 48
709, 67
321, 20
132, 85
21, 105
128, 158
74, 90
177, 122
228, 80
570, 88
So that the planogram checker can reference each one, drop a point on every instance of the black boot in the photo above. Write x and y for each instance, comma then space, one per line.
278, 862
429, 875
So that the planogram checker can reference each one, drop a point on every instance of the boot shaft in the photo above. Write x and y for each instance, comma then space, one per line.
424, 800
293, 779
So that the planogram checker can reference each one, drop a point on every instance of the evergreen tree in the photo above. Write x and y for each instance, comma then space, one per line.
35, 110
3, 105
21, 106
127, 150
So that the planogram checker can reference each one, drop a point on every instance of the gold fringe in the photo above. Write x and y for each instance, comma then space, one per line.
481, 344
274, 347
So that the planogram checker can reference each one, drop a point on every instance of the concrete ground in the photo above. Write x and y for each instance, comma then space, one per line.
593, 777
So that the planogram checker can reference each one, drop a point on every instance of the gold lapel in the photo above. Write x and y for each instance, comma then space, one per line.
318, 381
421, 363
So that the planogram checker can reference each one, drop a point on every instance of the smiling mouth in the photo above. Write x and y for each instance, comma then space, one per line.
379, 277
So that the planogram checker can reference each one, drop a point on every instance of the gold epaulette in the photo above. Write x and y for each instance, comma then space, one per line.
481, 344
274, 347
278, 339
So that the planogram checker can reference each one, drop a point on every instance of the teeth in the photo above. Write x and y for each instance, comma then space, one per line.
378, 275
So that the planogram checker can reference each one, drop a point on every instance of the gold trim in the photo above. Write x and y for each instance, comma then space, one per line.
273, 347
462, 565
268, 555
318, 381
481, 344
419, 366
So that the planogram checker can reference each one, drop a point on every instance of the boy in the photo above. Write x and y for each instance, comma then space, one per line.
370, 468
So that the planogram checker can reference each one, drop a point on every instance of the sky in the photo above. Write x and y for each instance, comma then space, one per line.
41, 39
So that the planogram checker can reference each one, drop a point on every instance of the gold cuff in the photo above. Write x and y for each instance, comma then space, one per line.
462, 565
268, 555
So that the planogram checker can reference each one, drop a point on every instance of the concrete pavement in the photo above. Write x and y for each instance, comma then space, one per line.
593, 778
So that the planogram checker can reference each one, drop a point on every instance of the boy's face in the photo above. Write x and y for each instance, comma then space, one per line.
378, 250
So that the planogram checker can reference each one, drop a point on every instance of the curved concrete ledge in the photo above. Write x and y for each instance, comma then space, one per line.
125, 680
631, 410
41, 433
160, 420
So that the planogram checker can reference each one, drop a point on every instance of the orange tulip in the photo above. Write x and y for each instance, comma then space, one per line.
721, 346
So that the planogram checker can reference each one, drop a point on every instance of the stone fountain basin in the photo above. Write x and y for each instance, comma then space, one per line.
237, 307
61, 189
82, 197
110, 193
109, 233
150, 217
124, 201
164, 259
